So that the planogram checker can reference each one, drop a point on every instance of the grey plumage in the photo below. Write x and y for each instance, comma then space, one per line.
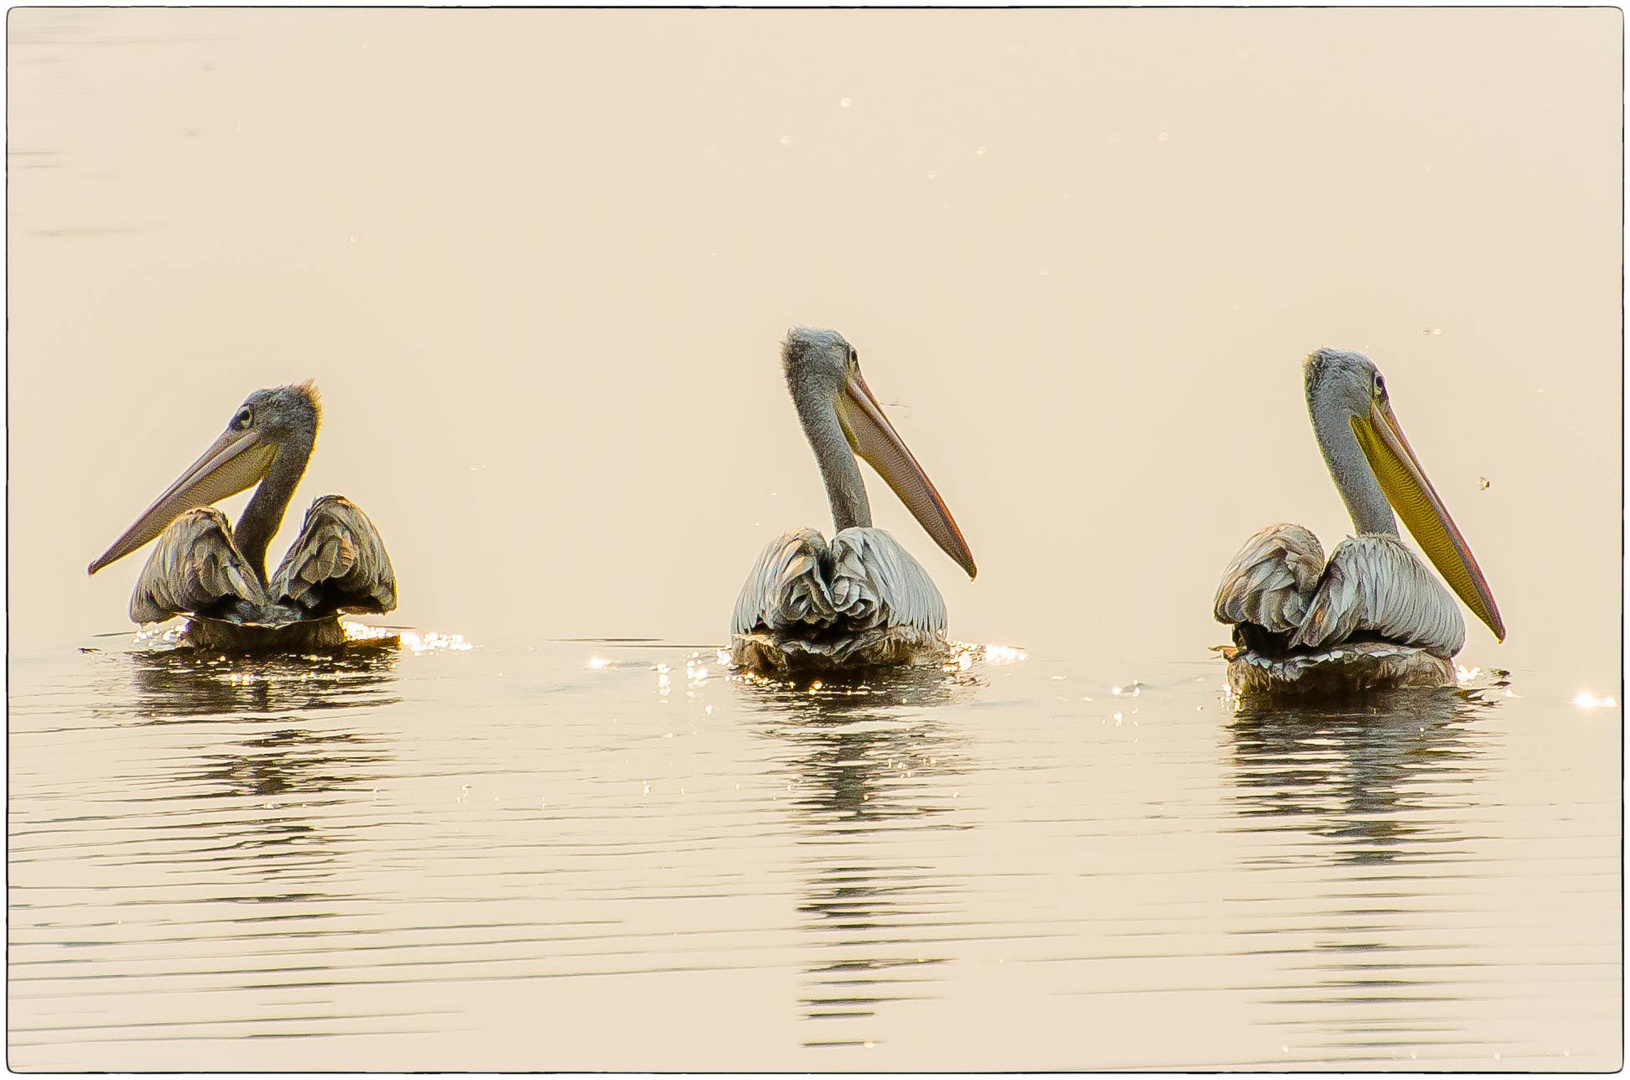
197, 569
1371, 586
860, 599
338, 565
1372, 615
1272, 579
810, 605
215, 575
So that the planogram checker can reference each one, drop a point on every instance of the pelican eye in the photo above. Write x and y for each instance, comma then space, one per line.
1380, 387
245, 416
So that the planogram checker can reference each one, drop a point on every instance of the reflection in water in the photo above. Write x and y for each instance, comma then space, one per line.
1366, 782
868, 765
239, 808
190, 682
286, 768
1350, 773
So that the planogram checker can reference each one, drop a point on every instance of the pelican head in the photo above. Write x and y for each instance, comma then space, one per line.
271, 428
1351, 410
823, 375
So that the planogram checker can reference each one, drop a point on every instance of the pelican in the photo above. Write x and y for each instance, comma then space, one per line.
1373, 616
215, 575
810, 606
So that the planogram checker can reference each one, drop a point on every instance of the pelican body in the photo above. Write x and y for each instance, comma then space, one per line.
1372, 616
215, 574
811, 606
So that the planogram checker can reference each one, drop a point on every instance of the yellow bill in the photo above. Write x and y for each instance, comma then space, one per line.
236, 461
1411, 494
874, 439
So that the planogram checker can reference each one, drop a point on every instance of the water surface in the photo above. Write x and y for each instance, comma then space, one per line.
576, 855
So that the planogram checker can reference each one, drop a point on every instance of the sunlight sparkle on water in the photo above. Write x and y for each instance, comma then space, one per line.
160, 637
597, 662
1002, 654
1587, 700
962, 655
433, 641
355, 631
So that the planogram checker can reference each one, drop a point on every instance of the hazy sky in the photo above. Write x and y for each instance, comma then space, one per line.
539, 263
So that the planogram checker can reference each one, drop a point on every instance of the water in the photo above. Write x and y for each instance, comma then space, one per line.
616, 855
538, 263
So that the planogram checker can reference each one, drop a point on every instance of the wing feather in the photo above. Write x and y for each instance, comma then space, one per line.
196, 569
863, 580
1272, 580
339, 564
1375, 585
891, 587
785, 586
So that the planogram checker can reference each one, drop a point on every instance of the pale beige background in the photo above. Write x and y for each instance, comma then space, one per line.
539, 263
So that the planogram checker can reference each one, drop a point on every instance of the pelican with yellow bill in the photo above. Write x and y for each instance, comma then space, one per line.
214, 574
1372, 616
810, 606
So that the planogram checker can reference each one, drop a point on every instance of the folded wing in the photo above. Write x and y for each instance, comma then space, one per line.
862, 580
1374, 586
338, 564
197, 569
1272, 580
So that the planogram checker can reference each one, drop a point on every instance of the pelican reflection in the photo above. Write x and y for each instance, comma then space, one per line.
873, 781
1369, 786
1354, 773
271, 786
174, 683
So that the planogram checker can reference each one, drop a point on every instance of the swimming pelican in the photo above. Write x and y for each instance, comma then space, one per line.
216, 575
813, 606
1373, 616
